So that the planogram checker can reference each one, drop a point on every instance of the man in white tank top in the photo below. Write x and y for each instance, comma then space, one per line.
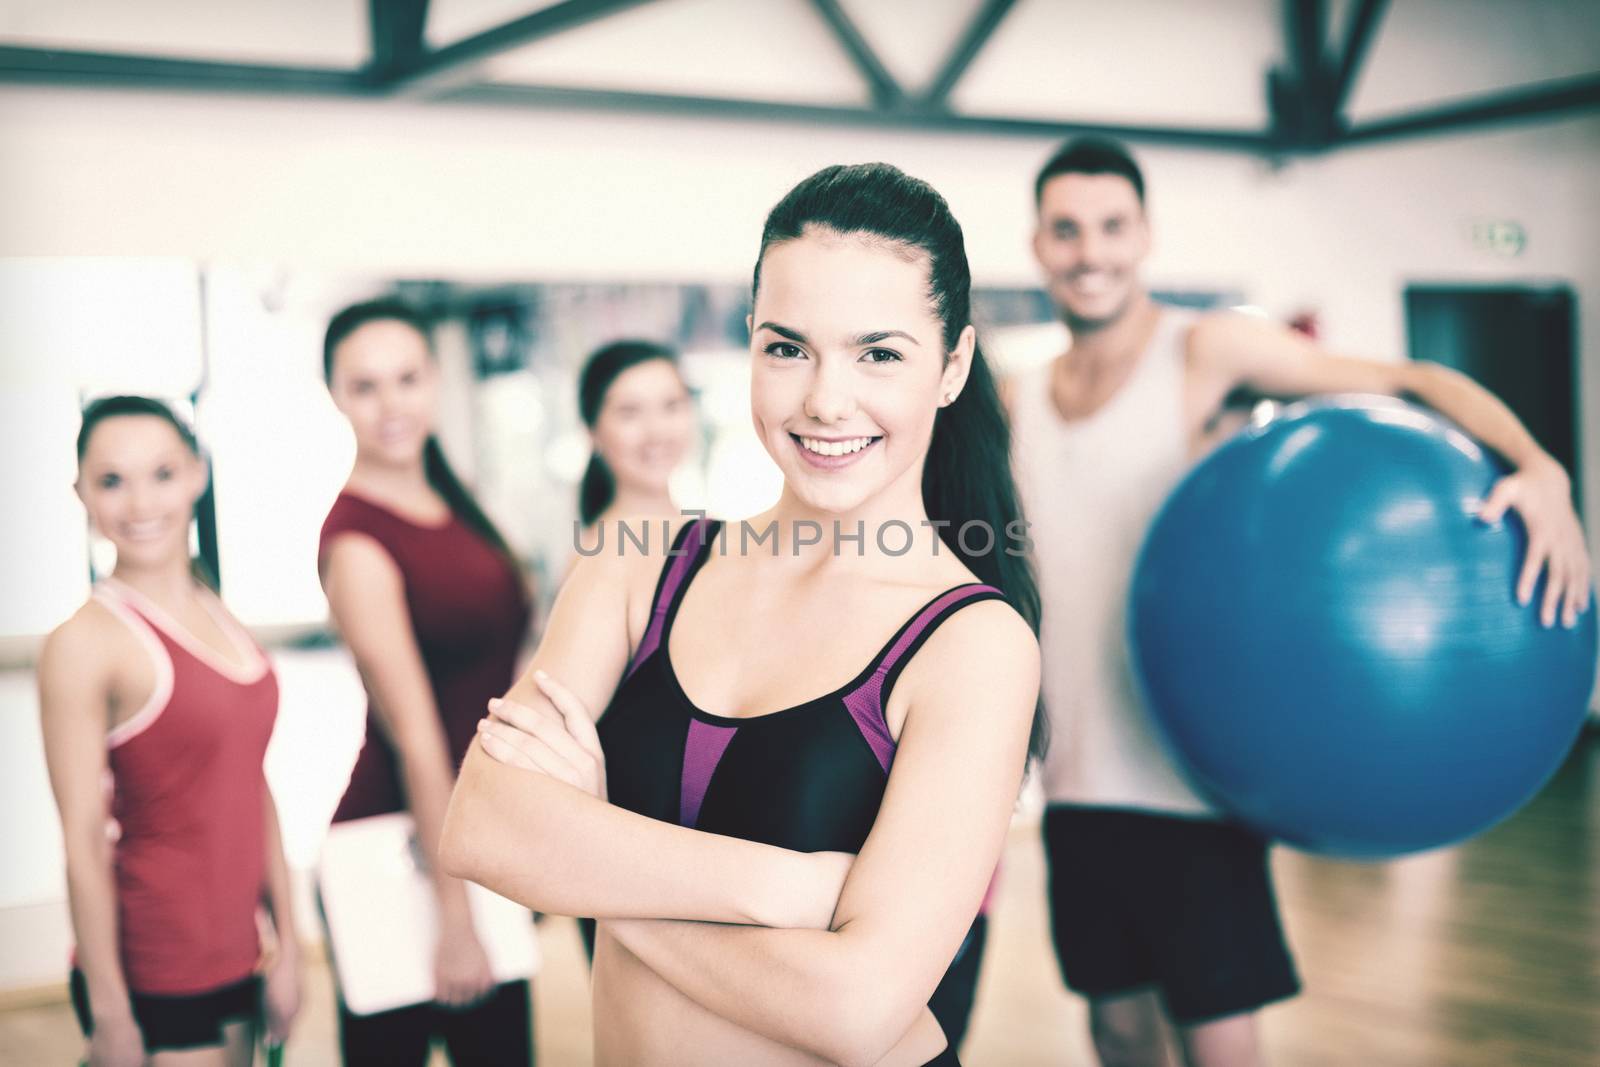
1160, 907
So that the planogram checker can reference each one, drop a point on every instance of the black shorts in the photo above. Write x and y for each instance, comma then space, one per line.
1181, 905
192, 1020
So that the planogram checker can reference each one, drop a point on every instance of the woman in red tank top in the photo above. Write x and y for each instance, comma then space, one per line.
427, 596
153, 687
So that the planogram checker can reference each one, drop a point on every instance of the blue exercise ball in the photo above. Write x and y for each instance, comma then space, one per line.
1329, 637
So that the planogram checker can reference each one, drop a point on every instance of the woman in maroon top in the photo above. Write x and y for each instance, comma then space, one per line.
426, 594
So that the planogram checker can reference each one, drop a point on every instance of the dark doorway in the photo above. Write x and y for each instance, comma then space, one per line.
1519, 343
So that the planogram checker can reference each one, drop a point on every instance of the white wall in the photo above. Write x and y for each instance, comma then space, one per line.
65, 337
439, 191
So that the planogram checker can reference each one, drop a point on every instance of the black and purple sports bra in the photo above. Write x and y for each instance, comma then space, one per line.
808, 778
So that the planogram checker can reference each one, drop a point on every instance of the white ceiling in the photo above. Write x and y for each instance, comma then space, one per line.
915, 48
1431, 52
451, 20
751, 49
1139, 62
330, 33
1134, 61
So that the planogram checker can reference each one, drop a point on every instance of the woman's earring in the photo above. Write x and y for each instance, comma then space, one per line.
950, 397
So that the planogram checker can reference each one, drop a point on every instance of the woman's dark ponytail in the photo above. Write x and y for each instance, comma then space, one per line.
596, 491
972, 440
442, 477
971, 496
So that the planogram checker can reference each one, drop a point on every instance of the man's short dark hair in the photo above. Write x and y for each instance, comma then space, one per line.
1090, 155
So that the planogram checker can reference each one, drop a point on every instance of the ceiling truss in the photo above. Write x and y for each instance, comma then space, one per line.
1307, 96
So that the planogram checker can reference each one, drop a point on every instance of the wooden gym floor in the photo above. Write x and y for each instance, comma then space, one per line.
1487, 955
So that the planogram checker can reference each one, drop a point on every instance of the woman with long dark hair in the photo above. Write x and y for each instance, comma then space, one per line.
427, 595
153, 687
783, 876
640, 418
641, 424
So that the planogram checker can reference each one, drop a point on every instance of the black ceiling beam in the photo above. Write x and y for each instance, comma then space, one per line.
1305, 28
1550, 98
977, 34
1363, 27
886, 92
1300, 93
112, 70
454, 64
397, 35
142, 72
52, 66
910, 117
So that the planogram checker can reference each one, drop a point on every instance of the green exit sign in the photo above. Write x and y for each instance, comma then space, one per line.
1500, 237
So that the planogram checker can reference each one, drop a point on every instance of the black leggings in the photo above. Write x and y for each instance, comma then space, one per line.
498, 1032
